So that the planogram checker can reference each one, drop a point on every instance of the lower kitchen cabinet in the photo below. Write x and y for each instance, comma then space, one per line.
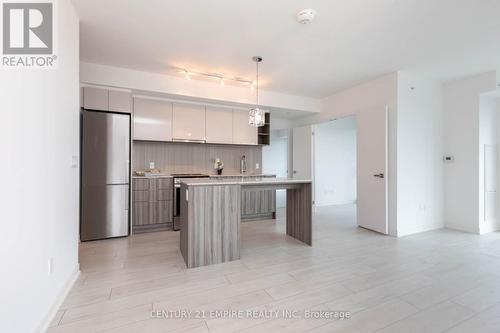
140, 213
256, 204
152, 205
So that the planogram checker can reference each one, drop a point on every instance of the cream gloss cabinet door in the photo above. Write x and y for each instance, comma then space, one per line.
243, 133
95, 99
188, 122
152, 120
119, 101
219, 125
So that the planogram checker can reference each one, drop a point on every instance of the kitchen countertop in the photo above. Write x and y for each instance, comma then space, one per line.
159, 175
243, 181
242, 175
164, 175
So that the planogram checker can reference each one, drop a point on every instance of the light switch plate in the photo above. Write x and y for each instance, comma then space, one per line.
447, 158
74, 162
257, 166
50, 266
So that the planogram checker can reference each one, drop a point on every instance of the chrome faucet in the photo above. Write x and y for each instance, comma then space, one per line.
243, 164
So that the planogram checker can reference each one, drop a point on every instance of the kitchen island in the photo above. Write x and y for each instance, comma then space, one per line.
211, 215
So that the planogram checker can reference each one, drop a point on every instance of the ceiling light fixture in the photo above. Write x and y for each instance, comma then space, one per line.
223, 79
256, 116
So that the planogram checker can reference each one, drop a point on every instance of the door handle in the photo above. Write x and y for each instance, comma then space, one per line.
379, 175
294, 171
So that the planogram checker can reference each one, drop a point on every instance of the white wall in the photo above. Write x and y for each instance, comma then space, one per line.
419, 154
280, 123
335, 162
461, 139
39, 193
192, 89
377, 93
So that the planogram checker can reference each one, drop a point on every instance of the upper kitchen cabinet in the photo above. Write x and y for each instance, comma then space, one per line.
102, 99
119, 101
152, 120
219, 125
243, 133
188, 122
95, 99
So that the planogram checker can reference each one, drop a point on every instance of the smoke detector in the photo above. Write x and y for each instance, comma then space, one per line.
306, 16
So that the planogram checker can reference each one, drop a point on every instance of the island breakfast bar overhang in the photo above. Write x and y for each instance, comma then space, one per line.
211, 216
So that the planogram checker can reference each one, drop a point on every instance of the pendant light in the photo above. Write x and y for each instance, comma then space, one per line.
256, 116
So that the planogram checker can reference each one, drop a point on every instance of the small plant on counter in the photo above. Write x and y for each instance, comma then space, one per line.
219, 166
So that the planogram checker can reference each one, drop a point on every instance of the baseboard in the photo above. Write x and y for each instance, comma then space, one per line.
459, 227
335, 203
59, 300
141, 229
256, 217
424, 228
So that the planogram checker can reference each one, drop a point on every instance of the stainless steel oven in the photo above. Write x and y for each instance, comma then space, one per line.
177, 193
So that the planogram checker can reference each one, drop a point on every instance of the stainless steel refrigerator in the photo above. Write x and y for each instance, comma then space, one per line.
105, 175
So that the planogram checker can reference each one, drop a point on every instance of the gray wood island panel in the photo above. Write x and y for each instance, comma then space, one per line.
211, 215
214, 236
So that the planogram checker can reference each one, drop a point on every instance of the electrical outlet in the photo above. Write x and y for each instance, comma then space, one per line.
257, 166
50, 266
151, 165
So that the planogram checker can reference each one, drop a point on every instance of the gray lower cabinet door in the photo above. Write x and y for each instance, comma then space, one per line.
141, 213
140, 184
153, 213
165, 211
165, 195
254, 203
164, 183
152, 202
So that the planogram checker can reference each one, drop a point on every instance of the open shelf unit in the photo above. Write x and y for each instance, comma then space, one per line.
265, 131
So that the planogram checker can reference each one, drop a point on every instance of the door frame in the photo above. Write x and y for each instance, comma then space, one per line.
388, 176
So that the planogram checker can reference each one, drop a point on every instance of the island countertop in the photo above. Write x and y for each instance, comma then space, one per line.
244, 181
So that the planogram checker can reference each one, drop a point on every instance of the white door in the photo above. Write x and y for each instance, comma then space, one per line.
302, 152
372, 169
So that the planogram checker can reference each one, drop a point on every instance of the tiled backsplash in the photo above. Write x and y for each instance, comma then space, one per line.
193, 157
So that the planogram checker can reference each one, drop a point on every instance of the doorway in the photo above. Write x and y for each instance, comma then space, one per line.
275, 160
359, 176
335, 162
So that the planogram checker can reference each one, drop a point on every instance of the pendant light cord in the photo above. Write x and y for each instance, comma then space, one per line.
257, 88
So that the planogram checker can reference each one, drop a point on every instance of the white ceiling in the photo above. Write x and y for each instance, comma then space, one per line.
349, 42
